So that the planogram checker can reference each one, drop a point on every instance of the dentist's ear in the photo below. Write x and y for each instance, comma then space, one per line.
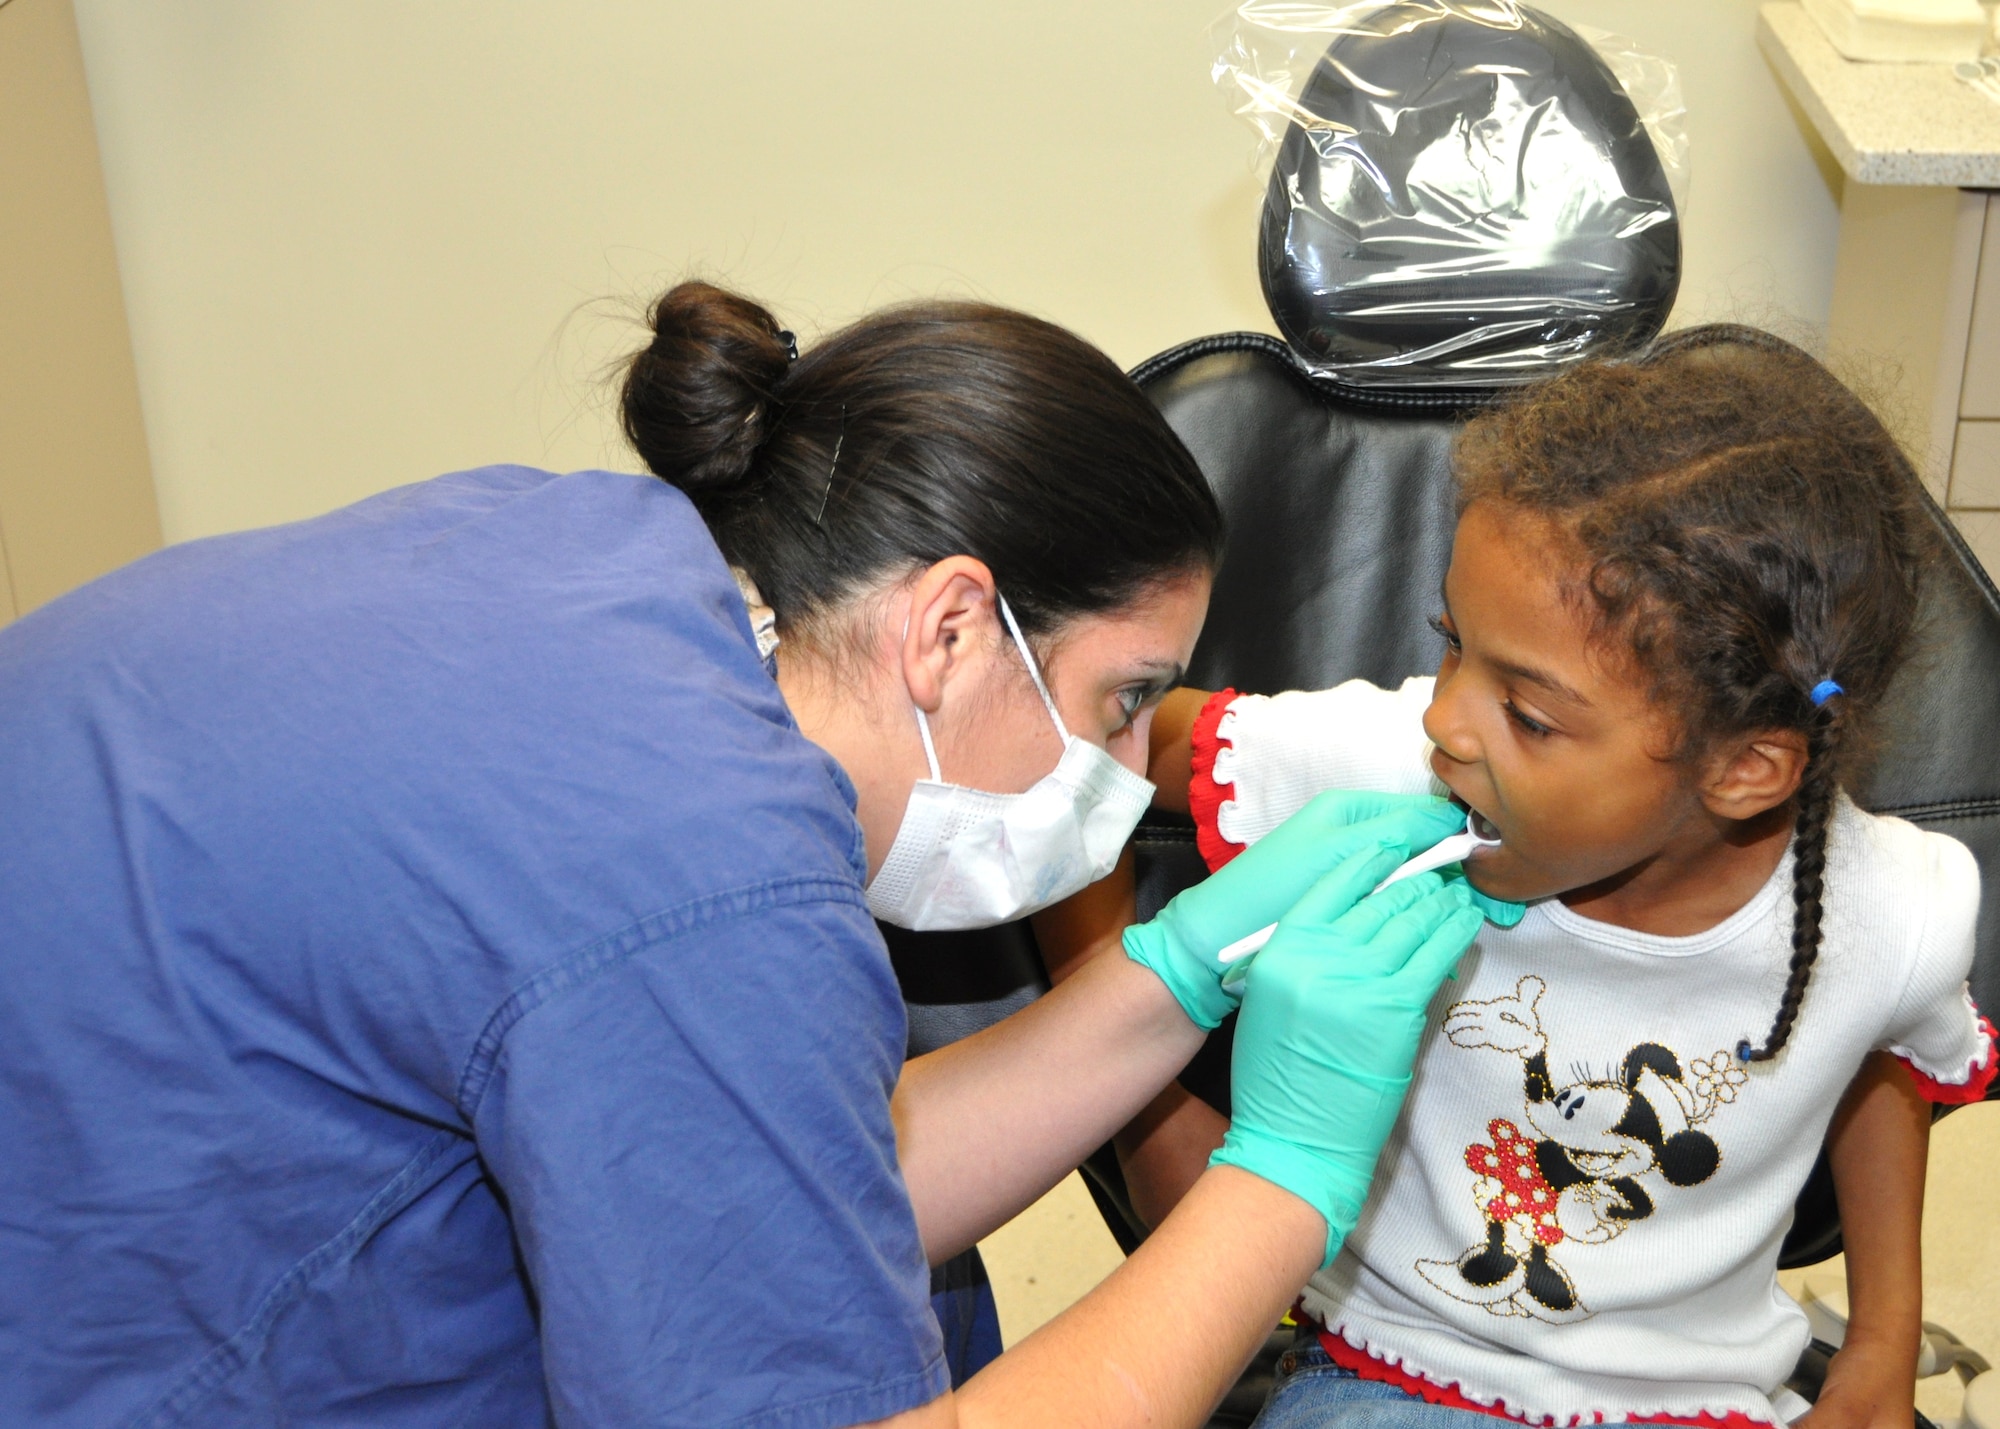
952, 614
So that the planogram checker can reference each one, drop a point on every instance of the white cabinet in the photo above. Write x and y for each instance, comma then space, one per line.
1915, 320
1915, 324
1975, 467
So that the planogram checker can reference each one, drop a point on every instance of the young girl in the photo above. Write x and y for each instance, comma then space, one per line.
1679, 588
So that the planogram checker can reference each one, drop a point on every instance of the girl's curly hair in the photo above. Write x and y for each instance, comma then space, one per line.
1751, 531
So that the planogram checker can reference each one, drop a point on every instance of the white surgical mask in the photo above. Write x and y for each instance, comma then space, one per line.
965, 858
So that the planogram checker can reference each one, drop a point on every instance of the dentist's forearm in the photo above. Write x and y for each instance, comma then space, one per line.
987, 1125
1228, 1261
1166, 1147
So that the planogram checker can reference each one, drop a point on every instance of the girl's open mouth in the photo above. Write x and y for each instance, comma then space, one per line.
1477, 821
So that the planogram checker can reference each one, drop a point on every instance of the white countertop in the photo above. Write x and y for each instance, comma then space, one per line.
1886, 123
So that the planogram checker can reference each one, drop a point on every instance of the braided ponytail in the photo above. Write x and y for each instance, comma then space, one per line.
1815, 800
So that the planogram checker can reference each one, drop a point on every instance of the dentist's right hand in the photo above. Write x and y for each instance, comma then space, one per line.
1332, 1014
1182, 945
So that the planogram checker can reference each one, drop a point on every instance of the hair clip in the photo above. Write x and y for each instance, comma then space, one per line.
1824, 691
833, 466
791, 344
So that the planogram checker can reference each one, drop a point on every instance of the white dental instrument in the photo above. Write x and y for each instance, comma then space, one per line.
1455, 849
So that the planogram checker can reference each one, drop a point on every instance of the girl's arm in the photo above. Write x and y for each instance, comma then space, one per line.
1170, 748
1877, 1148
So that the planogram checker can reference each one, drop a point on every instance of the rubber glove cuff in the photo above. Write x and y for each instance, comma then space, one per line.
1197, 989
1499, 913
1337, 1191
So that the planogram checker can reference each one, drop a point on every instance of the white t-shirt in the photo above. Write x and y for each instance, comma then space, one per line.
1580, 1211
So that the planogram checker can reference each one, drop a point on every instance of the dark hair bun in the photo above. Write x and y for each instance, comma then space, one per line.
917, 433
700, 398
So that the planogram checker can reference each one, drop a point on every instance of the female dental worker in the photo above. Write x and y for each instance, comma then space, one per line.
439, 984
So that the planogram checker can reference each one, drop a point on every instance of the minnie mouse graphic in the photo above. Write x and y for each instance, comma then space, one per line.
1573, 1174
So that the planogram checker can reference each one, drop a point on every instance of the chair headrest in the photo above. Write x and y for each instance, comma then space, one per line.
1466, 197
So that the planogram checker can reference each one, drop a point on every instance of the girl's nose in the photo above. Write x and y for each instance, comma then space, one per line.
1447, 729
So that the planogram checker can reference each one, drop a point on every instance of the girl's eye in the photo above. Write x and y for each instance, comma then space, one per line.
1532, 726
1450, 636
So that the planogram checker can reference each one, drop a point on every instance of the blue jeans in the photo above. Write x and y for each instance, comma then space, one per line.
1313, 1392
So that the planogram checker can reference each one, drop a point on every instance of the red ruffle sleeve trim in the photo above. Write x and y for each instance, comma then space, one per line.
1205, 796
1366, 1366
1973, 1088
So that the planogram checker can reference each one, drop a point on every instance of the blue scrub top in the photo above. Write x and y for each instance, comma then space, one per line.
436, 988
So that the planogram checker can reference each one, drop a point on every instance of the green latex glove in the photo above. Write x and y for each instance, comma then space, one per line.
1502, 915
1499, 914
1257, 887
1332, 1013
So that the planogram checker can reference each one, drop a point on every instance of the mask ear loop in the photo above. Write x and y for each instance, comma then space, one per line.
924, 725
1034, 671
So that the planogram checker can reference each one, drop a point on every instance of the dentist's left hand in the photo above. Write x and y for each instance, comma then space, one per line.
1337, 1006
1260, 885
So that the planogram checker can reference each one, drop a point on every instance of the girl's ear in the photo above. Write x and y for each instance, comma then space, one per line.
1755, 774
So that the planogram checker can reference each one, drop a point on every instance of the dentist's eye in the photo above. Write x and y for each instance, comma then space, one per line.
1450, 636
1130, 702
1531, 726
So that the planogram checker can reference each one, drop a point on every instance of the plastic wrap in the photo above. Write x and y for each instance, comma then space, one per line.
1462, 192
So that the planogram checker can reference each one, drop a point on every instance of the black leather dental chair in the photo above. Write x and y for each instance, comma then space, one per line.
1330, 454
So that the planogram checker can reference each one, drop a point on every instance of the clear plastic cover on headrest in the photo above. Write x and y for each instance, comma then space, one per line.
1463, 192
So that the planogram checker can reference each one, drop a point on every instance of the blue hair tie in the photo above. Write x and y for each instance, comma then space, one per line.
1824, 691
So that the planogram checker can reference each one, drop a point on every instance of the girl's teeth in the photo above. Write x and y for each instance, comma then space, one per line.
1484, 826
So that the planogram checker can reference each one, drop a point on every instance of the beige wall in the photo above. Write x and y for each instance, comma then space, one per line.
76, 496
361, 241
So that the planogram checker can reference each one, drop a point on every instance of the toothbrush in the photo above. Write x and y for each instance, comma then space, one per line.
1455, 849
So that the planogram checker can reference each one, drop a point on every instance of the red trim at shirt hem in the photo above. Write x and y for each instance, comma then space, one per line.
1367, 1366
1976, 1083
1205, 796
